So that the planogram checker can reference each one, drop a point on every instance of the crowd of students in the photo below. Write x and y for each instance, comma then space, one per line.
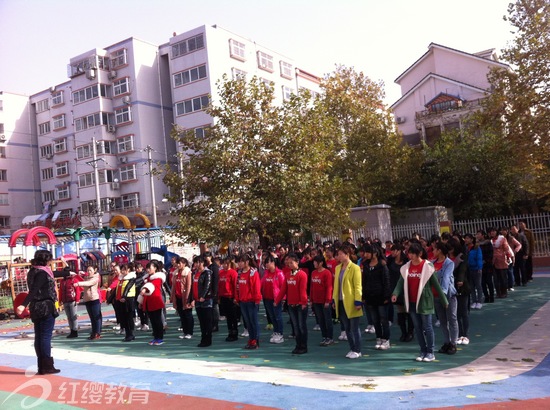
423, 283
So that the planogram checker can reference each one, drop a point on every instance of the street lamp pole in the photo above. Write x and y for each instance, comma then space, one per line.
152, 183
93, 163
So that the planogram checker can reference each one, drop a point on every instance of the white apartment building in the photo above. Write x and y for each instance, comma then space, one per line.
19, 179
440, 89
126, 97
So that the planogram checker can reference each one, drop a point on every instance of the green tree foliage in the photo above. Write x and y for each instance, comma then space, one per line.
468, 172
521, 96
370, 154
261, 168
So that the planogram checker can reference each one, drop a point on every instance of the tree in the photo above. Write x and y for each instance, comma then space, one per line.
261, 168
521, 96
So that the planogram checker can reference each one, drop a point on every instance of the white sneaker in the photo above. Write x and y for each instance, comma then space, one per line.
245, 333
343, 336
121, 331
437, 323
349, 353
459, 341
473, 306
279, 339
180, 329
370, 329
188, 336
479, 305
145, 328
222, 318
116, 327
316, 327
385, 345
465, 341
272, 338
354, 355
181, 336
378, 343
420, 357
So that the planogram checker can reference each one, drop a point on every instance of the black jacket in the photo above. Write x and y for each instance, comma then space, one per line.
376, 284
204, 284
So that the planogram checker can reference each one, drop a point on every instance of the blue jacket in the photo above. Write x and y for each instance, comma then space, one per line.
446, 278
475, 259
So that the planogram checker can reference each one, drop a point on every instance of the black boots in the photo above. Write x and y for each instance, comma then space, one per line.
233, 336
73, 334
45, 366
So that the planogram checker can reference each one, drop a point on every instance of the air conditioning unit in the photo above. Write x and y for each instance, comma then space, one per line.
115, 185
90, 73
126, 99
2, 138
53, 203
400, 120
111, 128
48, 156
123, 160
112, 74
52, 89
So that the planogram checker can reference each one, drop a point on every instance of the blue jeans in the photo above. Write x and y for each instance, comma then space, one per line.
448, 319
351, 326
249, 310
423, 329
43, 330
298, 318
379, 315
324, 318
275, 314
93, 308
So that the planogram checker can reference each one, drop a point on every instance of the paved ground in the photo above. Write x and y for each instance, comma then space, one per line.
507, 365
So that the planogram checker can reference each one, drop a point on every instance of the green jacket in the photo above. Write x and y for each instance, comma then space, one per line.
425, 299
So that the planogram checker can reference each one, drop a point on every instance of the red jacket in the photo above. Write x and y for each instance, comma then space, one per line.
272, 282
294, 288
153, 297
68, 292
321, 286
227, 283
249, 287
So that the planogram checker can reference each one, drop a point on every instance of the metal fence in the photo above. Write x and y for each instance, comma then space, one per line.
539, 224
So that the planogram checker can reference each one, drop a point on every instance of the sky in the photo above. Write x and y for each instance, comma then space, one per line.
380, 38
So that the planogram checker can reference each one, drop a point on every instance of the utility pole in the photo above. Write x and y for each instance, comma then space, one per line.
93, 163
152, 182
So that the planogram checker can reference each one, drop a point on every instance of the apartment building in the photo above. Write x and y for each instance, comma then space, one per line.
19, 179
97, 134
440, 89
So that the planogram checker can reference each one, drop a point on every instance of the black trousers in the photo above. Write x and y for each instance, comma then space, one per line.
155, 316
205, 319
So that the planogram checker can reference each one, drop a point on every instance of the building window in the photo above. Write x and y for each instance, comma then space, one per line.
4, 199
123, 115
128, 173
104, 147
265, 61
2, 152
237, 50
4, 221
287, 92
57, 98
90, 121
130, 201
188, 46
62, 169
125, 144
118, 58
48, 196
43, 128
286, 70
85, 180
3, 175
46, 151
59, 122
90, 93
238, 74
60, 145
47, 173
188, 76
42, 105
84, 151
192, 105
64, 192
121, 86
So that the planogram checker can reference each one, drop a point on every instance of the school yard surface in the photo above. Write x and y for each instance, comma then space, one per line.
506, 365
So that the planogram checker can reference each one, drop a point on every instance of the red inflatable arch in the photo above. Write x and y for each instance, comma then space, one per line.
20, 232
32, 235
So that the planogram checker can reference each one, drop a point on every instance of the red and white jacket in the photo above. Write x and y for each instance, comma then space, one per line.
152, 300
